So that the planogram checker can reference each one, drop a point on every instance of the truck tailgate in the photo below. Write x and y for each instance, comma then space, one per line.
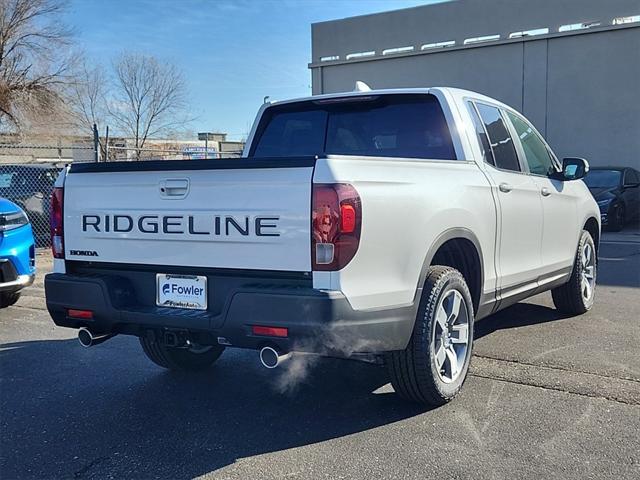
238, 213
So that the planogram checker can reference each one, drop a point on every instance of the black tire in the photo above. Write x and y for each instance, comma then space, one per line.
570, 298
615, 217
414, 373
8, 299
182, 359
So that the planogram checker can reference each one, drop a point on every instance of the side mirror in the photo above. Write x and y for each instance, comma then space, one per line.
573, 168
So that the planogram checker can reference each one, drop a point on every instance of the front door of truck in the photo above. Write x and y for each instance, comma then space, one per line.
561, 225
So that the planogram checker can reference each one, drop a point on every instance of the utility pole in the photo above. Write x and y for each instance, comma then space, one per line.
96, 144
106, 146
205, 136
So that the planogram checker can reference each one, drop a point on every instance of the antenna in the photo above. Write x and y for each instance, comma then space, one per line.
362, 87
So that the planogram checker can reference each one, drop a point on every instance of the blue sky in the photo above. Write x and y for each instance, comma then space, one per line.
233, 52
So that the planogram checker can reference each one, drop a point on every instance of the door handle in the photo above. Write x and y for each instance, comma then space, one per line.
174, 188
173, 191
505, 187
545, 192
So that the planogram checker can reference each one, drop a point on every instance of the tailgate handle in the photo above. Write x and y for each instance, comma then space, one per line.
174, 188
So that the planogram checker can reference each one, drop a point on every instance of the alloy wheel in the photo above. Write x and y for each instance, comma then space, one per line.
588, 280
450, 340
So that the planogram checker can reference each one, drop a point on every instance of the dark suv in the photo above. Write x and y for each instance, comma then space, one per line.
616, 189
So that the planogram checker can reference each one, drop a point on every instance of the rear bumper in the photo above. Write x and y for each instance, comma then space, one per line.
317, 321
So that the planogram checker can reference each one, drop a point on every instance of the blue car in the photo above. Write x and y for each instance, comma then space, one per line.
17, 253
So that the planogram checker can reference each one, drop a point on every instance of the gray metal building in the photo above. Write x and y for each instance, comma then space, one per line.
571, 66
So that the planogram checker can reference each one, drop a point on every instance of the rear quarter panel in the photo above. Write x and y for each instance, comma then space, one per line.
407, 204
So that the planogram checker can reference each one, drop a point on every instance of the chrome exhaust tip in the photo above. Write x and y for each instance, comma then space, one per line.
271, 358
88, 339
85, 338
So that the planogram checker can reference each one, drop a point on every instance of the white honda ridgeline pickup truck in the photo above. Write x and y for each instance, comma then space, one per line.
379, 222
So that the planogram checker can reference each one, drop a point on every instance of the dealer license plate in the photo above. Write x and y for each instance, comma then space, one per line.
181, 291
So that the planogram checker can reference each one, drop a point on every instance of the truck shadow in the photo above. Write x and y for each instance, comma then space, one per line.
107, 412
518, 315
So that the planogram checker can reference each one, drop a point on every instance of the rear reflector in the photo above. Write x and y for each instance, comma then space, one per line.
270, 331
84, 314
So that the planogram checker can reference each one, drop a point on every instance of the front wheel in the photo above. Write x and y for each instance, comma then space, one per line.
576, 296
192, 359
8, 299
433, 367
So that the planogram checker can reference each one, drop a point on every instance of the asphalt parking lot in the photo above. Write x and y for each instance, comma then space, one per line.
548, 397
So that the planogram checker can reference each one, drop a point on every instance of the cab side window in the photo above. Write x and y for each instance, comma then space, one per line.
535, 150
487, 154
504, 152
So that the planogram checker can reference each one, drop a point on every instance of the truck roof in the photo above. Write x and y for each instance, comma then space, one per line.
457, 93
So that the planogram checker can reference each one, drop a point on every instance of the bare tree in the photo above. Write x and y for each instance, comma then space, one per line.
34, 59
88, 98
149, 98
86, 102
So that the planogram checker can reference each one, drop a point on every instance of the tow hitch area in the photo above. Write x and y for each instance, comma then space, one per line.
170, 338
173, 339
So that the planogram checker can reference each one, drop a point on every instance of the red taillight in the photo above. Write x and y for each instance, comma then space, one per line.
84, 314
270, 331
57, 228
335, 225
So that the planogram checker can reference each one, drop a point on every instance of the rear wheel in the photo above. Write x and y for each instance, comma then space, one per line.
576, 296
192, 359
434, 365
7, 299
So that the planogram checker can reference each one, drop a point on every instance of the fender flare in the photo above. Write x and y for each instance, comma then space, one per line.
596, 219
444, 237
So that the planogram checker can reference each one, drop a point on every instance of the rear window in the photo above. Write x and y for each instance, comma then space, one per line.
411, 126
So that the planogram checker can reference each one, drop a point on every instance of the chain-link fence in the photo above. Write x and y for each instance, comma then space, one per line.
30, 187
29, 169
